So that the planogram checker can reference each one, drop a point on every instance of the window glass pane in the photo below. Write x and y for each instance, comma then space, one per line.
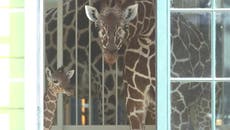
17, 35
17, 68
190, 45
190, 106
4, 3
4, 24
223, 104
4, 50
12, 94
222, 45
4, 68
12, 65
191, 3
5, 121
16, 94
12, 36
4, 93
223, 3
13, 116
16, 3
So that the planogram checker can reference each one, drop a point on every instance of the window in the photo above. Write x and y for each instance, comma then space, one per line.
193, 67
195, 52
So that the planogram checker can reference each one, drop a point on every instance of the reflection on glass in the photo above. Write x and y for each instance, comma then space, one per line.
222, 106
190, 45
191, 106
222, 3
190, 3
223, 45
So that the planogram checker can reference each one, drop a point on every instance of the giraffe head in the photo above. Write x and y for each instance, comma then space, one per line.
59, 81
113, 27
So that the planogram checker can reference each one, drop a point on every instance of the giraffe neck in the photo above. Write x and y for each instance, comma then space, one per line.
50, 104
139, 70
140, 50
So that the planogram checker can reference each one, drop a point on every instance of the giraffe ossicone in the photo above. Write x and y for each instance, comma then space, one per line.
58, 82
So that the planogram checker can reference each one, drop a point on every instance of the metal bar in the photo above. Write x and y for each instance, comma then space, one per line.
213, 62
90, 75
163, 112
76, 62
226, 49
60, 34
60, 116
116, 85
103, 90
213, 104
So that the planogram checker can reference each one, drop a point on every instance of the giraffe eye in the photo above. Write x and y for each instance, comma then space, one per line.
101, 32
96, 25
126, 27
121, 32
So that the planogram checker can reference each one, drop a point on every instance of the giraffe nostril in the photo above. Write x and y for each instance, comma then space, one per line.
55, 81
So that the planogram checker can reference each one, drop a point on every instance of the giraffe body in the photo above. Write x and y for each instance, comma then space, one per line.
58, 82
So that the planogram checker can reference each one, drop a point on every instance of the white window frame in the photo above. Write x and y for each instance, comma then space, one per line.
34, 65
34, 62
163, 63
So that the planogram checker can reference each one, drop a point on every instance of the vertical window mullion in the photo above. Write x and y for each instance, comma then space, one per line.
163, 69
213, 64
33, 60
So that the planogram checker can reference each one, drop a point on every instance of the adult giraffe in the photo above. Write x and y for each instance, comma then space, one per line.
133, 25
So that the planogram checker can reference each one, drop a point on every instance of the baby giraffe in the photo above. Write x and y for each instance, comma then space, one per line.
58, 82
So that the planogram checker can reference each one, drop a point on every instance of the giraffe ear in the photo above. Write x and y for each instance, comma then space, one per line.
91, 13
69, 74
130, 12
48, 74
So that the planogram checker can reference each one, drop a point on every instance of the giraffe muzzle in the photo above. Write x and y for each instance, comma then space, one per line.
110, 58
